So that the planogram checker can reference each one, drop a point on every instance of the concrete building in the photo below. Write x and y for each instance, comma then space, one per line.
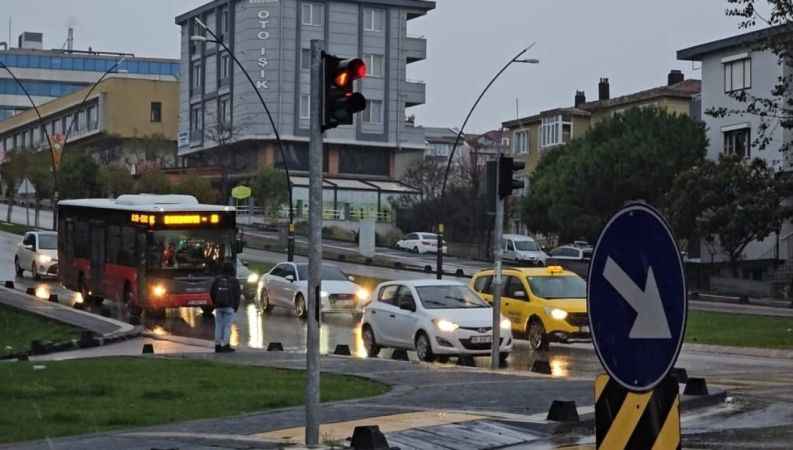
50, 74
223, 123
125, 121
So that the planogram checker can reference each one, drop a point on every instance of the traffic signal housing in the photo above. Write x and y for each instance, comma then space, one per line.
340, 103
506, 169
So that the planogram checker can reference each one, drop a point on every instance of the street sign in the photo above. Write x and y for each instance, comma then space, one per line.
636, 298
241, 192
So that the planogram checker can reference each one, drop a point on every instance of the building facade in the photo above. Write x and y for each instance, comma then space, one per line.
127, 122
221, 113
50, 74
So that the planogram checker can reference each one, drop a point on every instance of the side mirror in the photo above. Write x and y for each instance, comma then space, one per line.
351, 278
28, 247
290, 278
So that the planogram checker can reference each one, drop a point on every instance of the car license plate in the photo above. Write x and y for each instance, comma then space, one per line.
481, 339
585, 329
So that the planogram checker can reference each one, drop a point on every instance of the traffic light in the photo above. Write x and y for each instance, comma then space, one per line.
506, 168
340, 103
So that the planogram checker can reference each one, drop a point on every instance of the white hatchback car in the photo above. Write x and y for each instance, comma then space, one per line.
38, 252
420, 243
434, 318
286, 285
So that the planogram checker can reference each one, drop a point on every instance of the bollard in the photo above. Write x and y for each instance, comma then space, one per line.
428, 268
87, 339
696, 386
275, 347
53, 298
563, 411
38, 347
679, 374
30, 291
400, 354
9, 284
541, 366
368, 438
148, 349
342, 350
459, 273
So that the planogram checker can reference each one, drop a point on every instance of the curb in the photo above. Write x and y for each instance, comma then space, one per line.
740, 351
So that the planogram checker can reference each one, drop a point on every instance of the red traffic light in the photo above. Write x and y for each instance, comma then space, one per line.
348, 71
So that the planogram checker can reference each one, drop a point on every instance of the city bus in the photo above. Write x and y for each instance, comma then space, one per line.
147, 252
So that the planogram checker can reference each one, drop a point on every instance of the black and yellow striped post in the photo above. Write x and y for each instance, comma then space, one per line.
626, 420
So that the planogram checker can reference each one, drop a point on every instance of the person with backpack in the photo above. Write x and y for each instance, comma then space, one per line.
225, 294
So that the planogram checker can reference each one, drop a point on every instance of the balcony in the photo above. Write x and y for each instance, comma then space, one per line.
414, 92
415, 49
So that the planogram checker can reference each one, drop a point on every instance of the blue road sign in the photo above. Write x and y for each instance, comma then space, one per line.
636, 298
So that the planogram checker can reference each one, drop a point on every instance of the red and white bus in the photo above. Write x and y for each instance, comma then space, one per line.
148, 252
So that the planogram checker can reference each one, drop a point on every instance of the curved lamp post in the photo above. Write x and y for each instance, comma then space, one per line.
514, 59
214, 39
46, 134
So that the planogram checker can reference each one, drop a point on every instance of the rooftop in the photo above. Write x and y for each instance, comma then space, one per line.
696, 52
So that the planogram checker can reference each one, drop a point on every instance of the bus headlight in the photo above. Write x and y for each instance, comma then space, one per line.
158, 290
45, 259
253, 278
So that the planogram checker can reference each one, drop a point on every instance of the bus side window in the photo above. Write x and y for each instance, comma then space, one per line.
113, 244
126, 255
69, 240
82, 240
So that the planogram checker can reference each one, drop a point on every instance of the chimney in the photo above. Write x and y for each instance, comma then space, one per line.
580, 98
31, 41
675, 76
603, 89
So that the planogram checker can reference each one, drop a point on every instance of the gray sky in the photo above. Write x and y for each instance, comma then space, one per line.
633, 43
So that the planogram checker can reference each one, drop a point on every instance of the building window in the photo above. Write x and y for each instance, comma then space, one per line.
520, 142
312, 14
197, 72
225, 110
375, 65
556, 130
225, 67
738, 75
196, 121
92, 118
305, 106
373, 19
224, 23
156, 112
373, 112
738, 142
305, 59
76, 122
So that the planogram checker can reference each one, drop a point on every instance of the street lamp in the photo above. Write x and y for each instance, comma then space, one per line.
514, 59
214, 39
46, 134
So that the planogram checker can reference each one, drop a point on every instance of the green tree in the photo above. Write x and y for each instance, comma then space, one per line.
199, 187
271, 190
116, 180
40, 175
731, 203
635, 155
79, 177
153, 182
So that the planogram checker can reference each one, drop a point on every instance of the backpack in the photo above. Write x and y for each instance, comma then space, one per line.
223, 293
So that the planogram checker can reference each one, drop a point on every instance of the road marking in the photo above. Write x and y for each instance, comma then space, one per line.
651, 321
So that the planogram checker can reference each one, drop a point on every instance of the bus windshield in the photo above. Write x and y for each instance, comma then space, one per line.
194, 250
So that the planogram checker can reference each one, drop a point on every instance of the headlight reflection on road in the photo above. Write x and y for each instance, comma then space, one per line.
159, 331
255, 331
43, 292
358, 350
559, 367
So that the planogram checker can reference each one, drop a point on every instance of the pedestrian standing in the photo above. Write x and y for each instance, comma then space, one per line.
225, 294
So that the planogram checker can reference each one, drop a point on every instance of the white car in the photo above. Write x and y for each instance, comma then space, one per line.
571, 253
436, 318
523, 250
420, 243
38, 253
286, 286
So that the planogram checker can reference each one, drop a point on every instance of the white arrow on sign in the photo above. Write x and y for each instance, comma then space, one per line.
651, 321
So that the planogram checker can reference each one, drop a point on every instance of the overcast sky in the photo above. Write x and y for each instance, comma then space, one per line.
633, 43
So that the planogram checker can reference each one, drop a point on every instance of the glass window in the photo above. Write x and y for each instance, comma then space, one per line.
48, 241
375, 65
197, 73
373, 112
92, 118
364, 161
312, 14
113, 244
305, 59
513, 287
482, 284
224, 22
197, 119
553, 287
205, 250
156, 112
305, 106
388, 294
738, 75
449, 297
225, 66
527, 246
225, 109
373, 19
329, 273
738, 142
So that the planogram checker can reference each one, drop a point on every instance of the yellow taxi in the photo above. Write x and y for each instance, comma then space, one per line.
545, 304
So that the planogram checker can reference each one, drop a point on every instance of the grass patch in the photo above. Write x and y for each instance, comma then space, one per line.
86, 396
14, 228
20, 328
739, 330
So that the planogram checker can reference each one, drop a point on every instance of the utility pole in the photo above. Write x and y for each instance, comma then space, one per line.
315, 246
498, 253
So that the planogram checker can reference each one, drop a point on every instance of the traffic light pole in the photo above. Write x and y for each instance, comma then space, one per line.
315, 246
498, 253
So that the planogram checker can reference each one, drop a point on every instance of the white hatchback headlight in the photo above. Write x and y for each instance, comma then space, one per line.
556, 313
362, 294
506, 324
253, 278
324, 294
446, 326
45, 259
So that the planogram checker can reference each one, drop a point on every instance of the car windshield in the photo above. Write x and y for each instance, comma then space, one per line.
449, 297
48, 242
329, 273
528, 246
195, 250
429, 236
552, 287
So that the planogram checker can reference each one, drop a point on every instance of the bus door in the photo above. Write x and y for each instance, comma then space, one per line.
143, 239
97, 257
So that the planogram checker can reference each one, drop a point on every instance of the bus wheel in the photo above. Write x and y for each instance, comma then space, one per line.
133, 312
